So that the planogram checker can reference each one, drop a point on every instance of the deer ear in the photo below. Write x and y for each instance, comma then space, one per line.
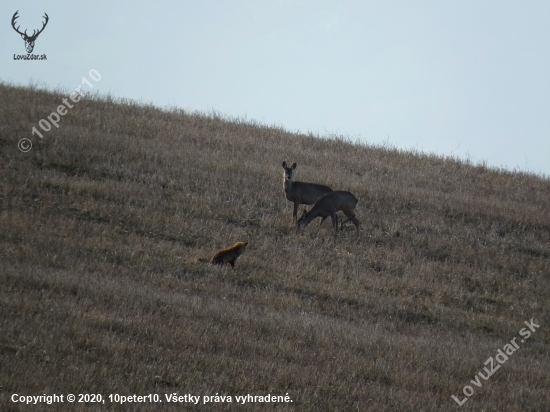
284, 164
294, 166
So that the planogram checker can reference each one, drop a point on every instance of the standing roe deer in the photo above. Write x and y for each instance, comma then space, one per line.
328, 205
301, 193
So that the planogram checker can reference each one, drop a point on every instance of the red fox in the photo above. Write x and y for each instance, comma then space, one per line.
228, 255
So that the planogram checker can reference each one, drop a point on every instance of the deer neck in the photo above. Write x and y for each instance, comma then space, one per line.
287, 184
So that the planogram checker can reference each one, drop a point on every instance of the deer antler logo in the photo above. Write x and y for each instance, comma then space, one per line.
29, 40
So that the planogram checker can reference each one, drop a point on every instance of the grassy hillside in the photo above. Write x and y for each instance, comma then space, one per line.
102, 222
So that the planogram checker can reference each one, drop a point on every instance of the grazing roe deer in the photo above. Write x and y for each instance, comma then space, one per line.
329, 205
301, 193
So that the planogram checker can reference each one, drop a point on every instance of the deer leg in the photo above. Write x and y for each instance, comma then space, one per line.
334, 218
295, 212
352, 217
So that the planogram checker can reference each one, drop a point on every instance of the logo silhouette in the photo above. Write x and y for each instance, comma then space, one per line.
29, 40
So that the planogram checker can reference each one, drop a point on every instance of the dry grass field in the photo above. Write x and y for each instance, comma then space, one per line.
102, 222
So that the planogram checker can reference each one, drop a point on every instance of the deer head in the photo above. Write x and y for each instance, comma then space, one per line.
29, 40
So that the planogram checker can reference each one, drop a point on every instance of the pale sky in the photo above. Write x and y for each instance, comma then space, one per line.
469, 79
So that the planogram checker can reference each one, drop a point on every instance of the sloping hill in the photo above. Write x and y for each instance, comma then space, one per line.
102, 221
